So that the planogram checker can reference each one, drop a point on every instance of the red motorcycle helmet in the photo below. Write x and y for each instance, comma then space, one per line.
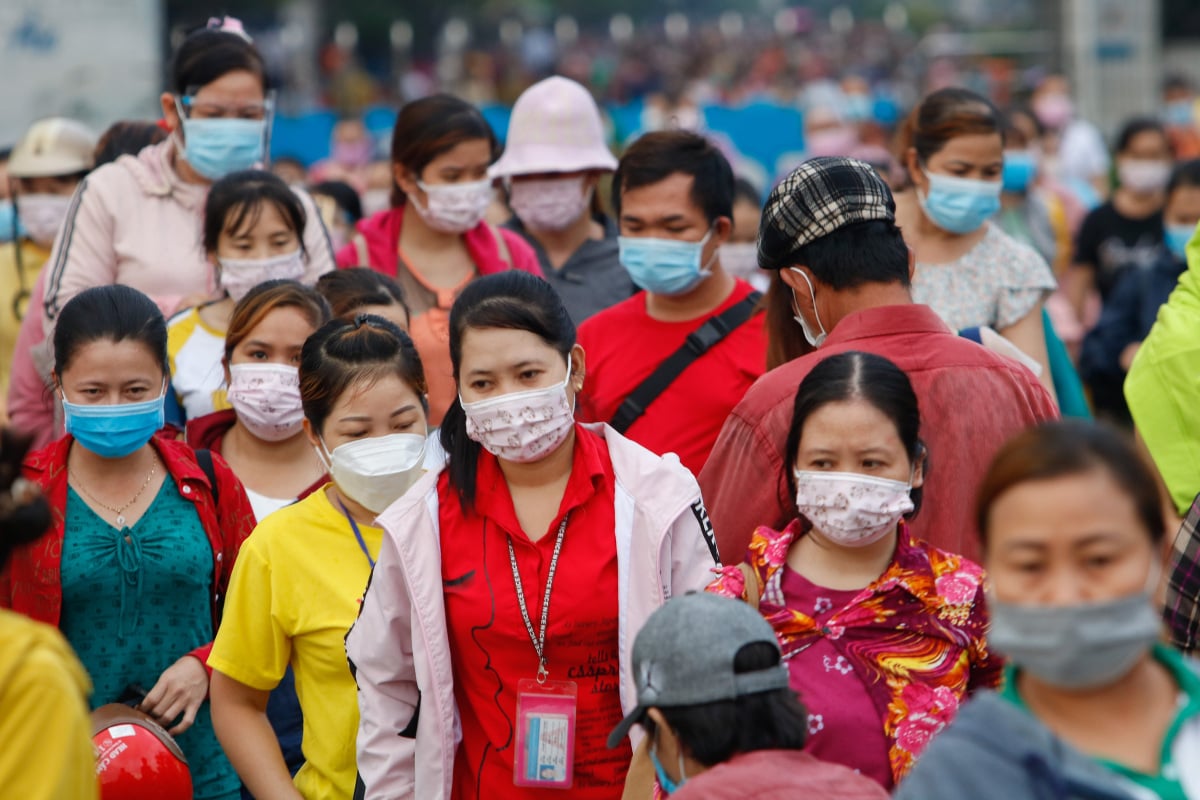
136, 759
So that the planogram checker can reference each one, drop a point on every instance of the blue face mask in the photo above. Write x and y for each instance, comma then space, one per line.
1177, 238
1020, 168
858, 107
8, 215
218, 146
664, 266
114, 431
959, 205
664, 780
1180, 114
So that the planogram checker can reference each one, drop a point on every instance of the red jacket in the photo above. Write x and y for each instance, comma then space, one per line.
31, 581
381, 233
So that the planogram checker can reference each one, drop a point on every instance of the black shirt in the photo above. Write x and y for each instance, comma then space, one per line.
1112, 244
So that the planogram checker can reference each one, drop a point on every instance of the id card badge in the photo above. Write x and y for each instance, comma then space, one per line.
545, 754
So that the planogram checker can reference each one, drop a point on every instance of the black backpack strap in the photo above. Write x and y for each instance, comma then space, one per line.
698, 342
204, 459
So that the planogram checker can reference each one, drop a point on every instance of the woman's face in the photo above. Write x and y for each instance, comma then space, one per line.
466, 162
746, 216
1148, 145
264, 233
1183, 207
372, 408
854, 436
978, 156
235, 95
278, 339
500, 361
1067, 541
104, 372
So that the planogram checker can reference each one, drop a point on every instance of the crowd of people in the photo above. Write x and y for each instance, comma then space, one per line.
571, 473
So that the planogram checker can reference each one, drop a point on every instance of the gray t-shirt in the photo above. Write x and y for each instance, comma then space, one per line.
592, 279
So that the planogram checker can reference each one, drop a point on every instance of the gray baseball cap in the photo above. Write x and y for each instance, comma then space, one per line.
683, 656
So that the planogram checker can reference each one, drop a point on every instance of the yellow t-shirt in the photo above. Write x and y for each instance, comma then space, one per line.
194, 354
12, 281
295, 592
44, 721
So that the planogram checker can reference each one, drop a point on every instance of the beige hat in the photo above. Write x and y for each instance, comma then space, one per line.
555, 127
53, 146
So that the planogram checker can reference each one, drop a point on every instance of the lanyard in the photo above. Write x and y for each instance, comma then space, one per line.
539, 640
357, 534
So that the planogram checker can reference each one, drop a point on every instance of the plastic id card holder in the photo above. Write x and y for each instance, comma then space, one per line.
545, 755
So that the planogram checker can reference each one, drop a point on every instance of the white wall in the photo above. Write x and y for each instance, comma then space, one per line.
95, 60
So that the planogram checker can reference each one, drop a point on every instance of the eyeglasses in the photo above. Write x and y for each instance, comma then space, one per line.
191, 108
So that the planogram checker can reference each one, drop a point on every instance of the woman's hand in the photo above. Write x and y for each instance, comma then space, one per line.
179, 690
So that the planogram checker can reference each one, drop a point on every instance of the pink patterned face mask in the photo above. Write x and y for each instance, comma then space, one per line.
850, 509
522, 426
266, 398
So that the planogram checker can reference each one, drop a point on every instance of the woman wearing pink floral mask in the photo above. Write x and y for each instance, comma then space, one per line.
262, 435
883, 634
510, 585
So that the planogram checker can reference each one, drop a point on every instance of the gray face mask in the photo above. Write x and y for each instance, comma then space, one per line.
1075, 647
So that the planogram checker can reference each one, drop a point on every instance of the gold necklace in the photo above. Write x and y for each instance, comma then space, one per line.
120, 512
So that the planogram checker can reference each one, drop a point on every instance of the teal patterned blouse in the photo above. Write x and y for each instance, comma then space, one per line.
137, 599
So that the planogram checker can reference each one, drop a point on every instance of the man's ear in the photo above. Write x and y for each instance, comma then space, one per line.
721, 229
794, 281
912, 264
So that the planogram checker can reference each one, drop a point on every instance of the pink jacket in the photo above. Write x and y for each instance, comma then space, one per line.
136, 222
380, 234
31, 406
399, 648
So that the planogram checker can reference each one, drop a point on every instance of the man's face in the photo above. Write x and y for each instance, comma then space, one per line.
664, 210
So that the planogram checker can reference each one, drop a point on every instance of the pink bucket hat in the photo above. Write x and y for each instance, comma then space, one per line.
555, 127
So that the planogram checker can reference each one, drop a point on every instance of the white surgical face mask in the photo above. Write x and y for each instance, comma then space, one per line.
1143, 174
551, 204
740, 259
522, 426
814, 339
42, 215
240, 275
851, 509
454, 207
376, 472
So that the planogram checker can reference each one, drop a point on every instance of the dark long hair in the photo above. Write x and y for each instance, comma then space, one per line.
511, 300
433, 125
859, 376
343, 353
115, 313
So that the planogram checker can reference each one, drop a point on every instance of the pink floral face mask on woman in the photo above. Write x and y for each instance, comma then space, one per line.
522, 426
850, 509
266, 398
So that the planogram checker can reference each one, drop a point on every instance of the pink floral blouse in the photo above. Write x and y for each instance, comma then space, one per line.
915, 636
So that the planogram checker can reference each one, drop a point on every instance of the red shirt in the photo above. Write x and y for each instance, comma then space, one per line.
971, 399
624, 345
490, 645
